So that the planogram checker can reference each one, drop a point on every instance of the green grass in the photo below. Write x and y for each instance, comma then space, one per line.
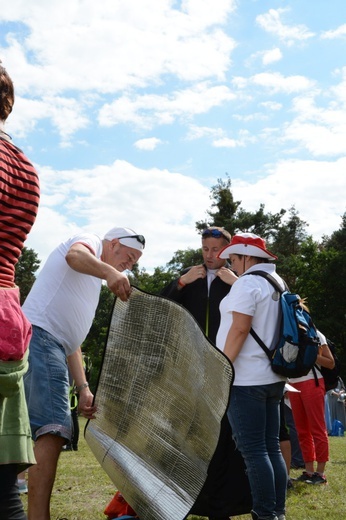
82, 489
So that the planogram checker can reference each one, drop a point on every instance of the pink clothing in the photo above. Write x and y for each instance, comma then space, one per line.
308, 413
15, 329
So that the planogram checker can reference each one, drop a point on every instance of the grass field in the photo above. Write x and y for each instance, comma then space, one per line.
82, 489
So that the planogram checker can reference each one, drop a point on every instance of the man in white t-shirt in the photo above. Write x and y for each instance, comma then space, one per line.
61, 306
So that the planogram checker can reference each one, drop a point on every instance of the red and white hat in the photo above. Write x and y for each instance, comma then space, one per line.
247, 244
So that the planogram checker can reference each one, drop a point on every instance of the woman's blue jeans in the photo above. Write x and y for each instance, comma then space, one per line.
254, 415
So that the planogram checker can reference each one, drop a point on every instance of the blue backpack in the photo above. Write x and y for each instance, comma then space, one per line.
297, 348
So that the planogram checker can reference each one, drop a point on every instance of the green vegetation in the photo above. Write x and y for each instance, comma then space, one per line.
82, 489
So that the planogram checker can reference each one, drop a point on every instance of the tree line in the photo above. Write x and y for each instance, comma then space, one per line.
316, 270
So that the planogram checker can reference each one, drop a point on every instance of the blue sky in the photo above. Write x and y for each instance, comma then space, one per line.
132, 110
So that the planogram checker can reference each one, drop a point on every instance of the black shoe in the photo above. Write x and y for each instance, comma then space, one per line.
304, 477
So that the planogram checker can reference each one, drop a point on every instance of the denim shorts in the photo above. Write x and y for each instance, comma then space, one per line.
47, 387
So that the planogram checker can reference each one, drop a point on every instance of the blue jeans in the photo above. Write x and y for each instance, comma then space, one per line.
47, 386
255, 419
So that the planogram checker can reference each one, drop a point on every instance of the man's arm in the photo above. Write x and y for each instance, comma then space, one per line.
81, 259
85, 402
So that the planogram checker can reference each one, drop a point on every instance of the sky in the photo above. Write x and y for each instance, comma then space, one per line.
132, 110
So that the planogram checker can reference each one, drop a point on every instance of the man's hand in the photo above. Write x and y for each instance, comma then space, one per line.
85, 404
197, 271
119, 284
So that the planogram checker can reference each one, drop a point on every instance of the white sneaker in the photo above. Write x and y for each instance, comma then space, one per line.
22, 486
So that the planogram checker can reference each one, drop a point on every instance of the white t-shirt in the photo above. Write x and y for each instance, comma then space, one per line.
311, 375
62, 301
256, 297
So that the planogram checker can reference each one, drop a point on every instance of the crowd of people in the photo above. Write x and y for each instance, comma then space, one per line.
42, 354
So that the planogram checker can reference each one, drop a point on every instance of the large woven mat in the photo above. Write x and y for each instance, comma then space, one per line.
162, 391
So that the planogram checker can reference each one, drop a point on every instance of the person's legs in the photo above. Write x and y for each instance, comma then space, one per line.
314, 399
46, 385
42, 476
300, 414
284, 437
274, 400
11, 507
247, 414
297, 460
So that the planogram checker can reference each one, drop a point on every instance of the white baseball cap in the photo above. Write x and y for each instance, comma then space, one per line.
127, 237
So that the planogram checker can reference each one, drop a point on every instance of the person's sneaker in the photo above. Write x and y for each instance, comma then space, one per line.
304, 477
317, 479
22, 486
289, 483
282, 517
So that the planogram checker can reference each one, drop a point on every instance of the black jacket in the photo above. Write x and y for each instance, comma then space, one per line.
194, 297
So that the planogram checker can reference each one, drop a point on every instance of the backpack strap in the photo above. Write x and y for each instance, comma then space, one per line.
276, 286
261, 344
271, 280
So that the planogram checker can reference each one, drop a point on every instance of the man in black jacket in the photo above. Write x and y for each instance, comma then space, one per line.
201, 288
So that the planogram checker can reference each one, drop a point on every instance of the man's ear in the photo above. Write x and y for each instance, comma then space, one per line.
114, 242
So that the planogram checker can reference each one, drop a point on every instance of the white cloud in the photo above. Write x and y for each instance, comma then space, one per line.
333, 34
198, 132
313, 187
320, 129
271, 105
151, 109
271, 56
290, 34
227, 142
77, 45
276, 82
148, 144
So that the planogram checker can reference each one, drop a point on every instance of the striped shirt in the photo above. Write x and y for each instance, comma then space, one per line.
19, 200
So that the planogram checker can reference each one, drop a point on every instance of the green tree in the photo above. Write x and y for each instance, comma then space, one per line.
286, 242
227, 213
152, 283
223, 205
26, 268
183, 259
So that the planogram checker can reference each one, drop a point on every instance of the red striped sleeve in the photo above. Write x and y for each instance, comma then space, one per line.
19, 200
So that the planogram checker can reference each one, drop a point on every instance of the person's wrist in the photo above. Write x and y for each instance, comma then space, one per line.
81, 387
181, 283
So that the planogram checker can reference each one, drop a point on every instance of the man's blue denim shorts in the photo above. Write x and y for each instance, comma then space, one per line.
47, 386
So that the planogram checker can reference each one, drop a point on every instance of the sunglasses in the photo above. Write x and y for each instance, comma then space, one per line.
139, 238
215, 233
